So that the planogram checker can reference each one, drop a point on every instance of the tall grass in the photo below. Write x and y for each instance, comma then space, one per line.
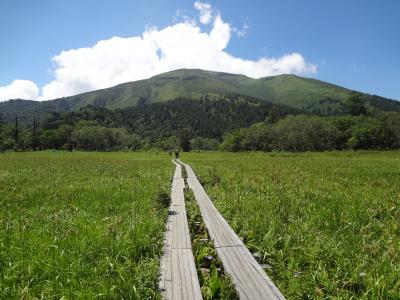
81, 225
327, 225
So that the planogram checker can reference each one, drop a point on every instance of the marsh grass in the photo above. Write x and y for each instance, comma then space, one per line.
81, 225
325, 224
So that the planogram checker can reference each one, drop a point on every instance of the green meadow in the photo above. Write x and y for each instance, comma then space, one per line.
90, 225
326, 225
81, 225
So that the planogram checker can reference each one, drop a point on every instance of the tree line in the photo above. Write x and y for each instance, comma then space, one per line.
314, 133
181, 123
228, 123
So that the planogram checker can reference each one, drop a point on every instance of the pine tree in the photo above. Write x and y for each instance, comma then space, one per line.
34, 141
16, 138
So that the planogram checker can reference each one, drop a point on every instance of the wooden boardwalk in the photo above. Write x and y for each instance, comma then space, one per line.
249, 278
178, 271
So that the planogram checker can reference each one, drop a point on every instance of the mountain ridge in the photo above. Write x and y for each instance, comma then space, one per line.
309, 94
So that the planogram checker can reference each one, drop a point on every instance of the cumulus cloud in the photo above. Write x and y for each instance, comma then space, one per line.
19, 89
182, 45
205, 11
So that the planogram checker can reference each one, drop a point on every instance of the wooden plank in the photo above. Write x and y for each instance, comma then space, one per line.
219, 229
185, 283
178, 172
249, 278
180, 229
178, 271
177, 196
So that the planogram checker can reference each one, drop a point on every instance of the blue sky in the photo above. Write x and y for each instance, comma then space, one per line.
355, 43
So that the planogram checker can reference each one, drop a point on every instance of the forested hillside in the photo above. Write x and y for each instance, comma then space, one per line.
310, 95
231, 123
160, 125
200, 109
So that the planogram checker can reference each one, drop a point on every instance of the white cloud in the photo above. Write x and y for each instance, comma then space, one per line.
19, 89
243, 31
205, 11
182, 16
182, 45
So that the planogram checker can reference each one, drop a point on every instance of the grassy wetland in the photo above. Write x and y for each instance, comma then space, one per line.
326, 225
91, 225
81, 225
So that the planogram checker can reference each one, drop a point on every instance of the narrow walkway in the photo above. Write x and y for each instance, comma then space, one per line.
178, 271
249, 278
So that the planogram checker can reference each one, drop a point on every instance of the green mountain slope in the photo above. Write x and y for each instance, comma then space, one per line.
304, 93
291, 90
167, 86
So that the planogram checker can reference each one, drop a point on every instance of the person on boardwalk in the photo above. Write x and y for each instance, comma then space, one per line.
176, 154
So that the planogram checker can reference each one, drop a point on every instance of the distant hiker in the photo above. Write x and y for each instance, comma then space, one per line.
176, 154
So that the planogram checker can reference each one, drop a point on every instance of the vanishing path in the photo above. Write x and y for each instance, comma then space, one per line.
249, 278
178, 271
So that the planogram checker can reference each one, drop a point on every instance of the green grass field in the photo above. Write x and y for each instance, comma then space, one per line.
81, 225
327, 225
89, 225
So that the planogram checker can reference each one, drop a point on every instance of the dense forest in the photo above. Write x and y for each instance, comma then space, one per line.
313, 133
165, 125
229, 123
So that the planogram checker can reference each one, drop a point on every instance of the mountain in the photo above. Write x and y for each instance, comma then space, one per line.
307, 94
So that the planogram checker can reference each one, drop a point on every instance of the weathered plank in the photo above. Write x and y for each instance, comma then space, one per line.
178, 271
249, 278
